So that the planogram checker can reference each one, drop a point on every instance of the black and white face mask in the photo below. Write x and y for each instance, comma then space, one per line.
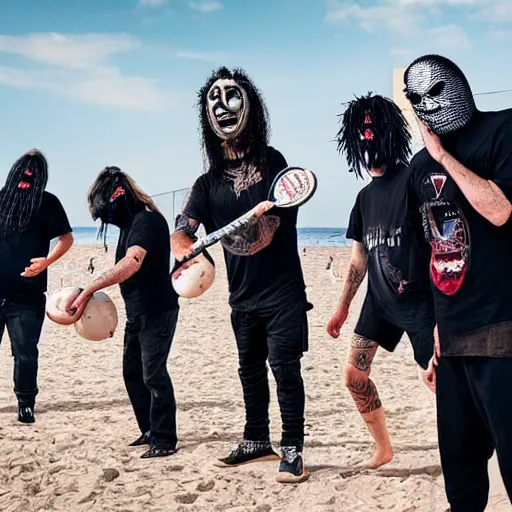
439, 94
228, 108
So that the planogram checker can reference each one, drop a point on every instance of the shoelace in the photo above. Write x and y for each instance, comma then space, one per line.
250, 446
290, 453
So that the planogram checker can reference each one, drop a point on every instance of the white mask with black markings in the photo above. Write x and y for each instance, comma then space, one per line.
228, 108
439, 94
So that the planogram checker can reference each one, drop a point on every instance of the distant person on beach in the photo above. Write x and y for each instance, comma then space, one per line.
267, 290
142, 270
463, 181
388, 244
30, 218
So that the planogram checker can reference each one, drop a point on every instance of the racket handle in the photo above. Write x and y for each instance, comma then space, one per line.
211, 239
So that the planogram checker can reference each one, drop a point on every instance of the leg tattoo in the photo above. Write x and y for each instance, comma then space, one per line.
362, 353
361, 387
365, 395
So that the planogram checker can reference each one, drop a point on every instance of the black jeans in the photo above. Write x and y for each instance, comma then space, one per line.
474, 415
24, 324
147, 343
281, 336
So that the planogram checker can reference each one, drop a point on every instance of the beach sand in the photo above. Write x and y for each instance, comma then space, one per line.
76, 456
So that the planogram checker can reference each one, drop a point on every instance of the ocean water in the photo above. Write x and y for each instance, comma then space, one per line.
310, 237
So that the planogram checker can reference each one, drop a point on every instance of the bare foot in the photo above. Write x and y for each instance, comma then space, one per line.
380, 457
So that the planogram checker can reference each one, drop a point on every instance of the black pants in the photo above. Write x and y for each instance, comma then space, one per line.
147, 342
474, 409
24, 324
281, 336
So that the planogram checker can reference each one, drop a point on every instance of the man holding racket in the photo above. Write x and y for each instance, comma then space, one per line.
267, 290
388, 244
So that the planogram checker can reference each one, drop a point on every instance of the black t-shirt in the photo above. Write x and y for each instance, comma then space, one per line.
17, 249
471, 270
149, 291
388, 224
262, 259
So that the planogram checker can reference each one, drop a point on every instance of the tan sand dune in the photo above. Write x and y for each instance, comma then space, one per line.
76, 456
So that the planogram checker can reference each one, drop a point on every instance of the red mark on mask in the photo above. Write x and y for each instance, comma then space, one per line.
368, 119
368, 134
23, 185
119, 191
28, 172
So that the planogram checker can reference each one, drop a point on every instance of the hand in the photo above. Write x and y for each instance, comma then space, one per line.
428, 376
77, 303
432, 143
263, 207
182, 248
336, 322
37, 265
437, 347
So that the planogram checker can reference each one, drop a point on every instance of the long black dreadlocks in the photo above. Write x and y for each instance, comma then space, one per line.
22, 194
256, 134
373, 132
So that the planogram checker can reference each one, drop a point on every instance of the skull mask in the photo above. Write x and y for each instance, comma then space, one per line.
439, 93
228, 108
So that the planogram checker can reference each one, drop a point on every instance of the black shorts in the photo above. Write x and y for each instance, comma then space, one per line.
416, 318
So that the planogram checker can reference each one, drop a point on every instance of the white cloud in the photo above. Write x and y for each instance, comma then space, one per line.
206, 5
205, 57
87, 51
447, 38
381, 14
77, 67
151, 3
407, 18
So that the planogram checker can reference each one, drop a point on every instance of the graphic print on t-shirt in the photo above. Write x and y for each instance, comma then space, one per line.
251, 239
378, 243
447, 232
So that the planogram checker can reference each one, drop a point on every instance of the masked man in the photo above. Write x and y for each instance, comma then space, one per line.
388, 244
142, 269
267, 290
30, 218
463, 180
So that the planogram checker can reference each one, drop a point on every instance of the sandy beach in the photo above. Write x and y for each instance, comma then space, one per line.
76, 456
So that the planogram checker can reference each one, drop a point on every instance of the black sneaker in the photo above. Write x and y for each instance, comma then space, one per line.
142, 440
291, 469
26, 414
159, 450
247, 452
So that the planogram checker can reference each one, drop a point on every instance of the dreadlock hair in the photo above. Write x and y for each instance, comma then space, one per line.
22, 194
98, 197
391, 138
255, 137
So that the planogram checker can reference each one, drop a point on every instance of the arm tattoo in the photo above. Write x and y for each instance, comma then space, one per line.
352, 282
187, 225
123, 270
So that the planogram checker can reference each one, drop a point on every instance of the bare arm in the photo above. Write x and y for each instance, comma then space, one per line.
37, 265
355, 273
483, 195
122, 271
62, 246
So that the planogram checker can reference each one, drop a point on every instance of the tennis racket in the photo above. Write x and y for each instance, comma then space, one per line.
292, 187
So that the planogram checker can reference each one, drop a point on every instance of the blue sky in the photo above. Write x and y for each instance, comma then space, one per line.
113, 82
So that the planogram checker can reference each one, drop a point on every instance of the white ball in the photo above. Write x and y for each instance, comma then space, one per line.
99, 319
194, 277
